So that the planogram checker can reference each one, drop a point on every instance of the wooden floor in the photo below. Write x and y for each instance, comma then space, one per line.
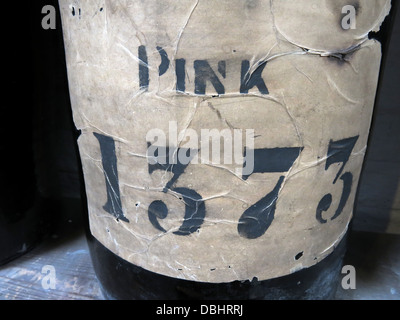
375, 257
25, 277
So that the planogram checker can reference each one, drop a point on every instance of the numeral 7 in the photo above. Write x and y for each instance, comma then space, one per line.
255, 221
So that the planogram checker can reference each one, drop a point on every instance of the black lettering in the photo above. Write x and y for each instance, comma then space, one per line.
157, 210
347, 178
164, 65
143, 68
195, 209
109, 162
165, 164
323, 205
249, 80
204, 73
273, 160
255, 221
338, 152
180, 75
222, 68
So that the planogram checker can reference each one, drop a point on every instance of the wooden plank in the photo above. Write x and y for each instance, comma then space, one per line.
27, 278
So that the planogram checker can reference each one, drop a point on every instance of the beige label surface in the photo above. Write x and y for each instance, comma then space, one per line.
221, 140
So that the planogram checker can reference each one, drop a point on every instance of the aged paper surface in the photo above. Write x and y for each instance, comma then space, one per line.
221, 140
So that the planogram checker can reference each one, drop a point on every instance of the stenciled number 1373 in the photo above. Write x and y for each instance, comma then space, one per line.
257, 218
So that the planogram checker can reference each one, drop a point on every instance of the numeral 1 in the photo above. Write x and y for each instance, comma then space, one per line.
110, 170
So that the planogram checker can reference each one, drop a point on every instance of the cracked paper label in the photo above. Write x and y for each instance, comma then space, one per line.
221, 140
